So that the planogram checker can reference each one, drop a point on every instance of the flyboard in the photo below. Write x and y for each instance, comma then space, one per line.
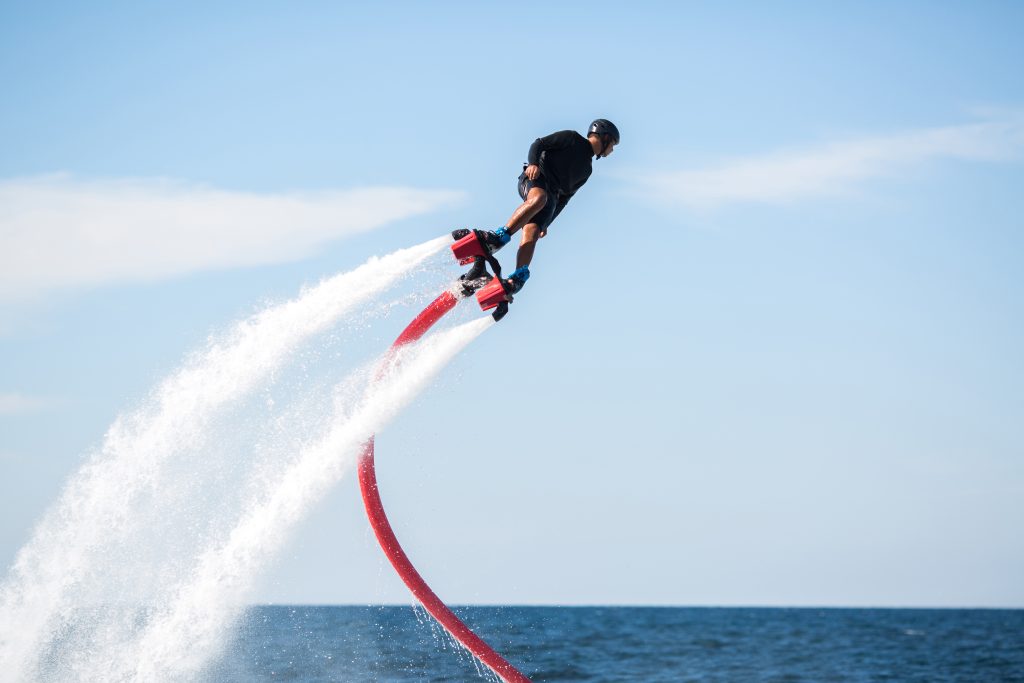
491, 293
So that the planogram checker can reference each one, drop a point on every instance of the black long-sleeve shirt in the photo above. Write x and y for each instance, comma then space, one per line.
566, 162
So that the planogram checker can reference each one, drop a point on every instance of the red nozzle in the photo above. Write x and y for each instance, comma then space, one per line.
468, 248
492, 294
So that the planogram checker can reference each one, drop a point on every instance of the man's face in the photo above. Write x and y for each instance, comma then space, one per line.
610, 148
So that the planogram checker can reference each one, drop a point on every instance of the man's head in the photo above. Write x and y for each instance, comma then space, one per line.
603, 136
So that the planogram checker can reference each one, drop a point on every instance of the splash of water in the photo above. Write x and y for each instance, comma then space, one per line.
191, 626
54, 575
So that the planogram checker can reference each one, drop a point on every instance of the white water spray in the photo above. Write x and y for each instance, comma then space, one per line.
55, 575
183, 635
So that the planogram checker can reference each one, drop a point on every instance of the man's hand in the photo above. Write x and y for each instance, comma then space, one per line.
532, 171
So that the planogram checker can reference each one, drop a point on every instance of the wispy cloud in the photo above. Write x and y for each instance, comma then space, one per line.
17, 404
837, 167
59, 231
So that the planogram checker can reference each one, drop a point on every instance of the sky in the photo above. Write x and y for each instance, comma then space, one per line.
769, 355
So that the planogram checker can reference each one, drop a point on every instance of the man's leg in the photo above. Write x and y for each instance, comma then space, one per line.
531, 233
536, 199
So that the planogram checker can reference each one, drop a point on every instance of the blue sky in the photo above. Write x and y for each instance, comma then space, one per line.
769, 355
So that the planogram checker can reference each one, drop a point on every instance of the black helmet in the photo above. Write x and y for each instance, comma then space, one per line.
604, 127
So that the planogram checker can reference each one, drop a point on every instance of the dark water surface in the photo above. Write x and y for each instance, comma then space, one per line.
651, 644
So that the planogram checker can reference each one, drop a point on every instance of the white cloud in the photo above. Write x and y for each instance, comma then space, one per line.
59, 231
17, 404
837, 167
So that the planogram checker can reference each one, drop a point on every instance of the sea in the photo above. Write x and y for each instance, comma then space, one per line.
401, 644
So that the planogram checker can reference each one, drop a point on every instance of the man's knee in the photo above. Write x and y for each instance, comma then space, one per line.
537, 199
531, 233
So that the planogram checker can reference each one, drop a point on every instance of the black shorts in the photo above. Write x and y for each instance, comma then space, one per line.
547, 214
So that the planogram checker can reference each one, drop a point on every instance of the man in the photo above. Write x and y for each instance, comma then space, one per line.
558, 166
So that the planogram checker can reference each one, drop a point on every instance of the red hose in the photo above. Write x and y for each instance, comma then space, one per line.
389, 542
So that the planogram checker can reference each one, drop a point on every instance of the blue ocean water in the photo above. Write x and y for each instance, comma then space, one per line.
650, 644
